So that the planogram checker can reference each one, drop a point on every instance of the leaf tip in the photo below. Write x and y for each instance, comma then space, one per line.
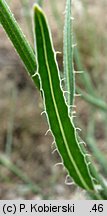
36, 8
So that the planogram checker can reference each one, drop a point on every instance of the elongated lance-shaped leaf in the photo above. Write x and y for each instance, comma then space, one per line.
61, 127
18, 39
68, 56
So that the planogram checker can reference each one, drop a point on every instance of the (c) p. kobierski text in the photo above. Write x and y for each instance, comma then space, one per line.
52, 208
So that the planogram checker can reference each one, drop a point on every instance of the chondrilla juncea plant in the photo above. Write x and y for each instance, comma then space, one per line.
58, 100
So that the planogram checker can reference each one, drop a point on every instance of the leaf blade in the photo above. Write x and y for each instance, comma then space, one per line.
68, 56
56, 108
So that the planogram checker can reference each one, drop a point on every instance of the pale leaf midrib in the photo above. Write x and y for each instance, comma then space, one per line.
57, 113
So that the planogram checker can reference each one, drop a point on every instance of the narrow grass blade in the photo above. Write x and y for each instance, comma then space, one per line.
61, 127
18, 39
97, 102
11, 120
5, 161
68, 55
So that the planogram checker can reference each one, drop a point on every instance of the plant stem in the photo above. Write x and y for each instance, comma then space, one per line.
18, 39
68, 57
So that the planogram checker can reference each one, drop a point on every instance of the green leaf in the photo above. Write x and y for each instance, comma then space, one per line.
59, 121
68, 56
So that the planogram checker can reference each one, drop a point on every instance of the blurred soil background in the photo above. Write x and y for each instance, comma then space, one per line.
23, 128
